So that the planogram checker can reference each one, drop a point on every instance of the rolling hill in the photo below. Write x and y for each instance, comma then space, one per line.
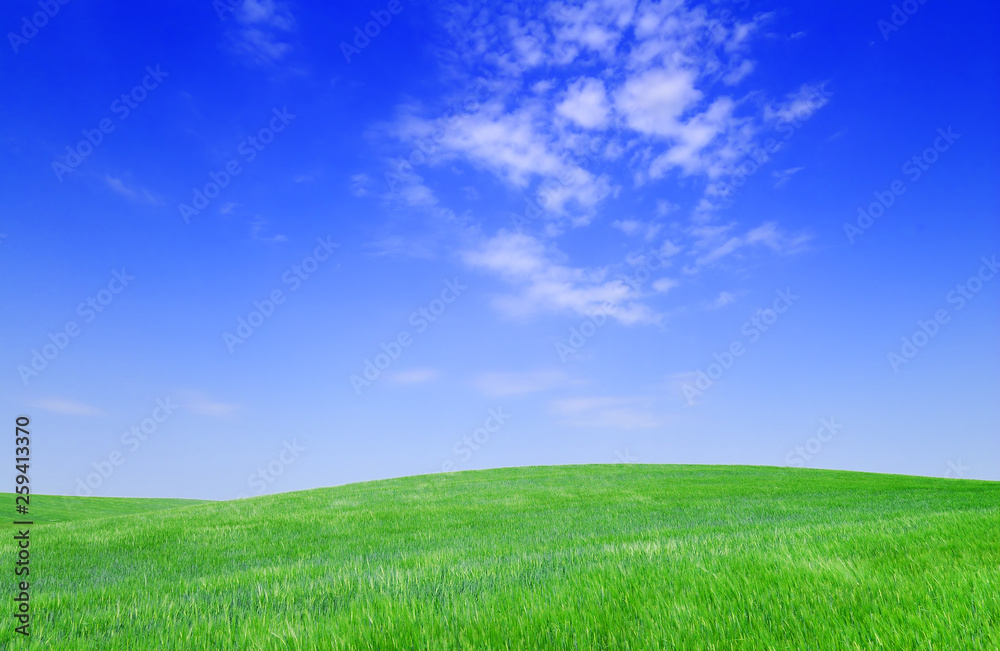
567, 557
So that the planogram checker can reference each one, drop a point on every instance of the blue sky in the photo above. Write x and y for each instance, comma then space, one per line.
249, 248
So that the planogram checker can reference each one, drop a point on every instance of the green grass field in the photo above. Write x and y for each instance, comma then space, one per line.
571, 557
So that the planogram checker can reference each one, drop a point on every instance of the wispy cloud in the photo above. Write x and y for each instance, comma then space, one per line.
361, 185
546, 285
782, 176
261, 30
607, 411
134, 193
654, 96
574, 102
647, 230
518, 147
716, 242
206, 406
66, 407
258, 231
664, 207
722, 300
585, 103
499, 385
412, 376
798, 105
663, 285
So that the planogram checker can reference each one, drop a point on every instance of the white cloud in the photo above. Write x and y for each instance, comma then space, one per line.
543, 86
664, 207
546, 285
361, 185
781, 176
412, 376
136, 194
499, 385
653, 101
737, 74
690, 149
582, 98
585, 103
668, 249
516, 147
663, 285
67, 407
628, 226
659, 63
258, 231
508, 144
715, 243
205, 406
607, 411
656, 98
417, 194
799, 105
633, 227
723, 299
258, 34
590, 27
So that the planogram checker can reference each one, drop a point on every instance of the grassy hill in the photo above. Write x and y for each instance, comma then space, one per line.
572, 557
46, 509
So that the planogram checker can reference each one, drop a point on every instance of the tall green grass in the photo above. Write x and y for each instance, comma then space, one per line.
576, 557
46, 509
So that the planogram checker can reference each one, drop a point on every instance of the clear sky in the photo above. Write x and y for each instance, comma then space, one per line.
264, 246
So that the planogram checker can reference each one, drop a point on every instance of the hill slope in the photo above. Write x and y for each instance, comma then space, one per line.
617, 557
47, 509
